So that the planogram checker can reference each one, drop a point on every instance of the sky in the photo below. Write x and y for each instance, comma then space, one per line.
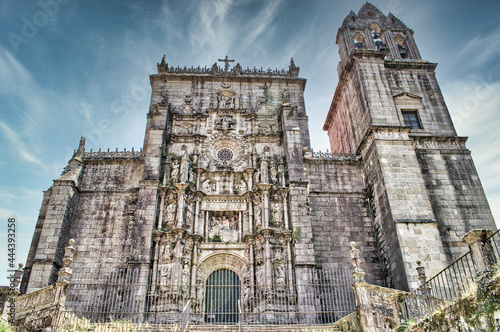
72, 68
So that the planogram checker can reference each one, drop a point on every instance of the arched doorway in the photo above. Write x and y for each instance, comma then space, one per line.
221, 297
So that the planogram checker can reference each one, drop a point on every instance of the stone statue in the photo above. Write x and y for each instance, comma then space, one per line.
165, 278
259, 275
167, 254
225, 222
225, 124
277, 217
170, 211
264, 171
273, 173
185, 273
233, 224
279, 274
174, 175
258, 215
286, 97
189, 215
184, 169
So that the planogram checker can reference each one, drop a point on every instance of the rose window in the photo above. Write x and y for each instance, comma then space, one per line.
225, 154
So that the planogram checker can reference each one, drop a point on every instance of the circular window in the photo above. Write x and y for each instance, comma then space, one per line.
225, 154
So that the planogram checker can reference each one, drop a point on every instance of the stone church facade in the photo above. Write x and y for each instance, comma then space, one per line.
227, 180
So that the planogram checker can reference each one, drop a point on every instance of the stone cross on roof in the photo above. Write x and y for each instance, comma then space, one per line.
226, 61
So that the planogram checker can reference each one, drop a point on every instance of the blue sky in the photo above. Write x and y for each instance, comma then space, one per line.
71, 68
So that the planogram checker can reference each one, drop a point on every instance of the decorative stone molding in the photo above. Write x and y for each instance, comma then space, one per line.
113, 154
219, 261
41, 309
237, 70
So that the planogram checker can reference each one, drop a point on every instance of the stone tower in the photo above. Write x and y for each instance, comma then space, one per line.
423, 187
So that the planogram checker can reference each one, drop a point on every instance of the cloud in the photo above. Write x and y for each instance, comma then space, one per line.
18, 146
473, 104
259, 27
481, 49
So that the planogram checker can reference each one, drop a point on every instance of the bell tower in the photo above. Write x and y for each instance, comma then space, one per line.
420, 179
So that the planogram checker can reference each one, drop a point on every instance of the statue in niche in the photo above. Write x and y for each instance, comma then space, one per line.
167, 253
264, 171
246, 299
164, 98
200, 295
259, 274
174, 174
242, 186
286, 96
189, 215
273, 173
225, 102
185, 272
278, 254
170, 211
225, 123
276, 213
279, 274
256, 176
184, 169
165, 277
258, 215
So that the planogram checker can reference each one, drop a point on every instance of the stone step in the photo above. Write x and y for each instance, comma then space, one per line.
262, 328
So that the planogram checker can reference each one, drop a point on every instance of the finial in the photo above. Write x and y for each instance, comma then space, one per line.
80, 152
357, 274
425, 289
15, 280
65, 272
293, 69
163, 60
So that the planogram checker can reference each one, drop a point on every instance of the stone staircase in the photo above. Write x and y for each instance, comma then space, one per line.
262, 328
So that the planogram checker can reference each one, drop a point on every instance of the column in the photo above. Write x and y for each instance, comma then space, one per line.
240, 226
196, 215
481, 250
265, 202
155, 263
159, 223
180, 204
285, 209
268, 265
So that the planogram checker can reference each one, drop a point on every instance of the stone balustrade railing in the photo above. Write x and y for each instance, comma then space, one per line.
113, 154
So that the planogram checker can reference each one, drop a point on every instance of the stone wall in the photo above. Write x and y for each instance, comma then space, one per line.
340, 214
455, 191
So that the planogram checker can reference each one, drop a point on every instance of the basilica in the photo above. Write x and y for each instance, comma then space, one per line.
226, 186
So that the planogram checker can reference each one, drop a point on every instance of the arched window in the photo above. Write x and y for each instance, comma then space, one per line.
376, 31
401, 43
359, 41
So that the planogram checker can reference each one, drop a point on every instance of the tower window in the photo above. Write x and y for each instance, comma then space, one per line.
411, 119
359, 41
